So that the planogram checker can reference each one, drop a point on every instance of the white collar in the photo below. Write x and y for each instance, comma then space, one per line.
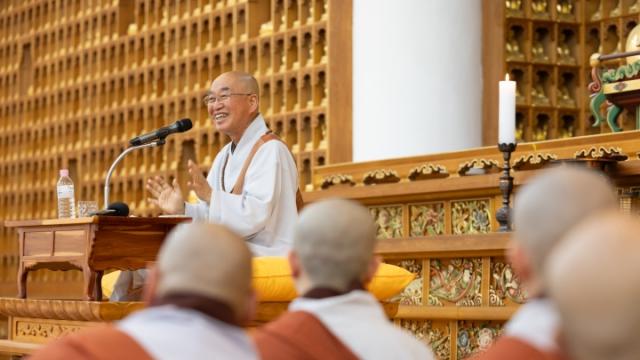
535, 323
254, 131
352, 298
173, 317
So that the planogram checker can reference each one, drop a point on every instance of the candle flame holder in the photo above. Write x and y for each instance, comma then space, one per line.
503, 215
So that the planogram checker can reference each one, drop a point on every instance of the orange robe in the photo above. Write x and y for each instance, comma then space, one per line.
509, 347
103, 342
299, 335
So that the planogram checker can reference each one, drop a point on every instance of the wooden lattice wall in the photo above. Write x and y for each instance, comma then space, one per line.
545, 45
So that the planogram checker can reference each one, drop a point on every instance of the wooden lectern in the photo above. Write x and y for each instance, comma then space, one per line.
91, 244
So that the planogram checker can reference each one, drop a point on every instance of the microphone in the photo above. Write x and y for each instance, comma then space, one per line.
114, 209
177, 127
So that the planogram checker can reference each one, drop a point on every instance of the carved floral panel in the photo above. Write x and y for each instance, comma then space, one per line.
388, 221
427, 219
476, 336
436, 335
471, 216
504, 287
33, 331
455, 281
412, 294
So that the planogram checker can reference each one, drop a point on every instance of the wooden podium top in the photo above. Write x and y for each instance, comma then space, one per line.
106, 220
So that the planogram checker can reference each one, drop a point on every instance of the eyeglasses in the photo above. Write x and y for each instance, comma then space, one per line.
211, 100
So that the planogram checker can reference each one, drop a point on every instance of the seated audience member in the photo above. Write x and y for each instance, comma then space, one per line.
335, 318
199, 294
593, 278
545, 209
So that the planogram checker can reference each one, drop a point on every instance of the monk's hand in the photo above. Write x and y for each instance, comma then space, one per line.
165, 196
198, 182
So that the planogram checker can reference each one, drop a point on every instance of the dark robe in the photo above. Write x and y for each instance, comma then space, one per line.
104, 342
299, 335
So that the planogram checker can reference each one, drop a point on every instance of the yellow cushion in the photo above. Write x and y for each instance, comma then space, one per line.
108, 282
273, 282
389, 281
272, 279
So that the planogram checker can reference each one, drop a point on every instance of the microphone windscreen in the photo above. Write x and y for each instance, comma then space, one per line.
184, 125
119, 208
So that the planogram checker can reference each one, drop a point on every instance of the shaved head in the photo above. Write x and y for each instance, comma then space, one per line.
240, 81
334, 241
593, 277
552, 203
207, 260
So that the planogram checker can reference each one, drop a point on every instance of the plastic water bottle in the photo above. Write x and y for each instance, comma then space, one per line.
66, 196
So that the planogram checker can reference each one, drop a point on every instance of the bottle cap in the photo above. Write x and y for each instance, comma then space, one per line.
64, 172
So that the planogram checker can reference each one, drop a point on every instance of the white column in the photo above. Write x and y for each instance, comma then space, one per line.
417, 77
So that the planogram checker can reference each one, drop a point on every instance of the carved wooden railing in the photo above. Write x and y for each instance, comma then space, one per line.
470, 162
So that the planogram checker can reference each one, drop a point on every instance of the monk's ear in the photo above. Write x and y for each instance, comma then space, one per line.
519, 260
294, 263
373, 267
562, 343
249, 311
150, 286
253, 103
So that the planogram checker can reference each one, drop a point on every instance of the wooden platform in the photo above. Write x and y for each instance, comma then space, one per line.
36, 322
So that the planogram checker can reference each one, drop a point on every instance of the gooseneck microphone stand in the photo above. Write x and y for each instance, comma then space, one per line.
158, 142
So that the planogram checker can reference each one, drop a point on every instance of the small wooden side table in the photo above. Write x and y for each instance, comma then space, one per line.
91, 244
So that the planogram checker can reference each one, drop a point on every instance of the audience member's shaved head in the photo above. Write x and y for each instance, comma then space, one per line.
559, 198
334, 241
593, 276
206, 260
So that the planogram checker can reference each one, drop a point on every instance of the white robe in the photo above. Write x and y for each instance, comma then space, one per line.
265, 212
358, 320
169, 332
537, 323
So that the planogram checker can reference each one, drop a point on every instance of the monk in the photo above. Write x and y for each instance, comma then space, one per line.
252, 186
594, 279
335, 318
545, 210
198, 295
253, 182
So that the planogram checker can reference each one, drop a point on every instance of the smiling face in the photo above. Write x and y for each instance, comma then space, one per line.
235, 105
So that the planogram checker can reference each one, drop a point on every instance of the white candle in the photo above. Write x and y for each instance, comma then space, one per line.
507, 119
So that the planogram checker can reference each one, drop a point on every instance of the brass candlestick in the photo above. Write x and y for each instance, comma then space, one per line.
503, 215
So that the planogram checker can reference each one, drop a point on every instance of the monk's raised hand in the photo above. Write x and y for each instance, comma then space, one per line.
156, 185
198, 182
167, 197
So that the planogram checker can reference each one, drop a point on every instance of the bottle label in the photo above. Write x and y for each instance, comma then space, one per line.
65, 191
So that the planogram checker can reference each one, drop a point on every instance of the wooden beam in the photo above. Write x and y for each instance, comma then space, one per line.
492, 67
493, 244
411, 312
11, 347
